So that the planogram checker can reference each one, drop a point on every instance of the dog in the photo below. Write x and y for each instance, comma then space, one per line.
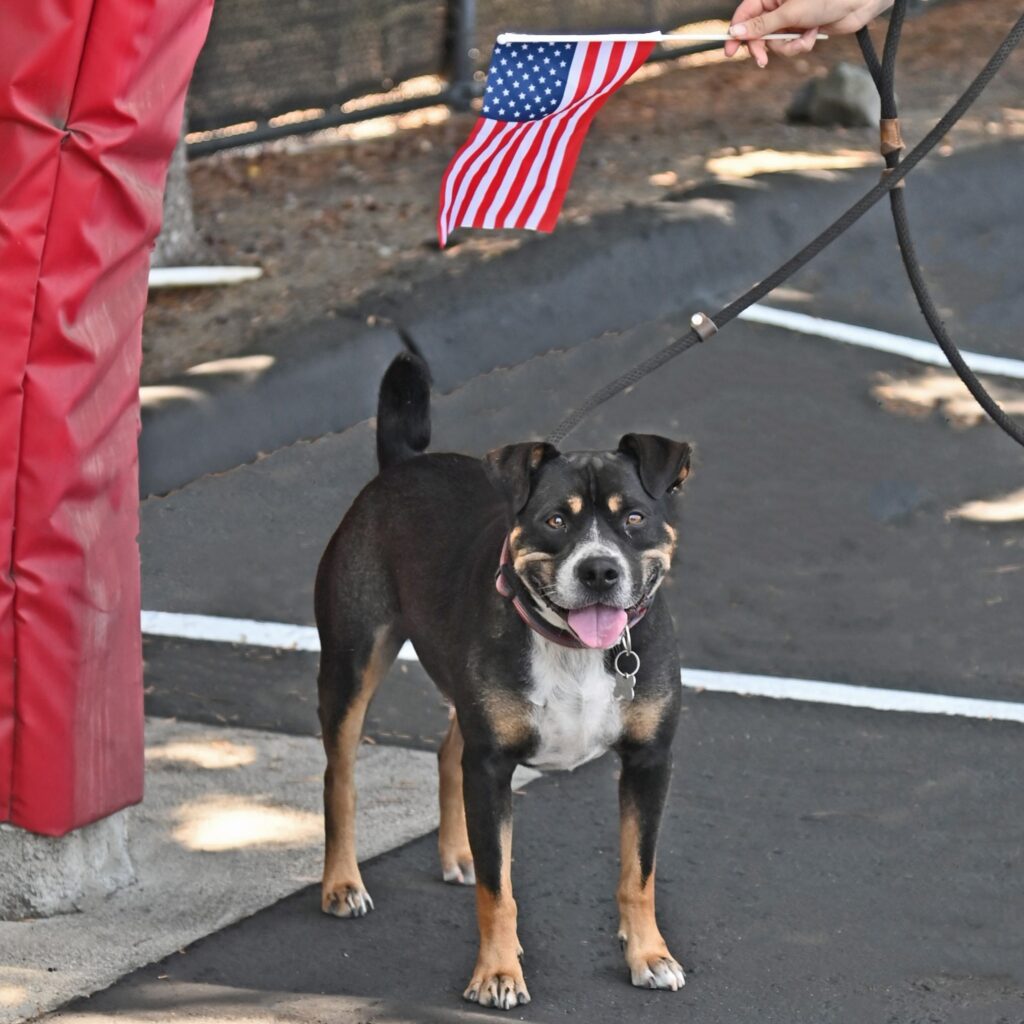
527, 582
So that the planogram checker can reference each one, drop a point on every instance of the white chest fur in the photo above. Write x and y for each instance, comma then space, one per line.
576, 713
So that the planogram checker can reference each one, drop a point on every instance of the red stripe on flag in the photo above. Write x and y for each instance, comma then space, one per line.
585, 94
540, 143
506, 142
554, 204
442, 205
501, 174
549, 137
463, 182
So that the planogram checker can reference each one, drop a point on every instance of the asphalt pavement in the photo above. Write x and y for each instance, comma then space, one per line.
818, 864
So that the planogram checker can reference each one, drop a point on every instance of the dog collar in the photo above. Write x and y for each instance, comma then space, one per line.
509, 585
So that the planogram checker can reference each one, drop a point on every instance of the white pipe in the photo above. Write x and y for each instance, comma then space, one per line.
201, 277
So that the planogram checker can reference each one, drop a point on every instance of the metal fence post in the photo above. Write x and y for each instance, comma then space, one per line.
462, 15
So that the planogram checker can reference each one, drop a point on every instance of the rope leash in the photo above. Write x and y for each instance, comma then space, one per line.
891, 184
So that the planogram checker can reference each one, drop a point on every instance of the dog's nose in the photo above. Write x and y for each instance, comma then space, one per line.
598, 574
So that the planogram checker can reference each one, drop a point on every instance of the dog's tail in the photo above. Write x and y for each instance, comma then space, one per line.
403, 410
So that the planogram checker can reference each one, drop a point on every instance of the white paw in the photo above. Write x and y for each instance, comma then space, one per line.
347, 901
662, 972
459, 873
502, 991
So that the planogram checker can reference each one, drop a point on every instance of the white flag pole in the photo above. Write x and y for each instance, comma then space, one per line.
638, 37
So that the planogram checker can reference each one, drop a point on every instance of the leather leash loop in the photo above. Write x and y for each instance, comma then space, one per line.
890, 139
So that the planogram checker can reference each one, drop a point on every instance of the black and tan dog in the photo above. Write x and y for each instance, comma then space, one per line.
521, 579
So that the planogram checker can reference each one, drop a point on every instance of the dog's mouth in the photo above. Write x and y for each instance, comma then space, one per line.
597, 625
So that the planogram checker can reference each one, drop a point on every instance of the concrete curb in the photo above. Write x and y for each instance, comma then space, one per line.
232, 822
210, 422
695, 250
553, 292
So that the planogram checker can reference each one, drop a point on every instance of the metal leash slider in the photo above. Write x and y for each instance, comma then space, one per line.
625, 684
704, 326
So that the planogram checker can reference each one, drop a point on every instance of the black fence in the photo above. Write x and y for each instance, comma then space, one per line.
265, 61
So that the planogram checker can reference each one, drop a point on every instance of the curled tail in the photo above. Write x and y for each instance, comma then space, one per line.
403, 410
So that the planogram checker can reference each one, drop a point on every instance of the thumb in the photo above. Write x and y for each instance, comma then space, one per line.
789, 15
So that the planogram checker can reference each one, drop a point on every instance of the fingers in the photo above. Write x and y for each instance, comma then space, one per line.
763, 23
753, 20
793, 47
759, 51
746, 10
756, 18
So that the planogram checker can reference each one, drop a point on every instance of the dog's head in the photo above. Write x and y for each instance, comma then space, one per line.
591, 534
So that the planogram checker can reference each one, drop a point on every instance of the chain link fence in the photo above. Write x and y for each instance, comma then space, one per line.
271, 69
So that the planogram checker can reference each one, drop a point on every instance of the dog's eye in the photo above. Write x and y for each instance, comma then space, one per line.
634, 519
556, 522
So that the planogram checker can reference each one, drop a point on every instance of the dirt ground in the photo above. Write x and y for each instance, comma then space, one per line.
341, 218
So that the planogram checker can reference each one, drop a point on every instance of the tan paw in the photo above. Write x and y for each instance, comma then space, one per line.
345, 900
503, 989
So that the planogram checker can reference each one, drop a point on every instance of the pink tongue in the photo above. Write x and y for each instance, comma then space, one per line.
598, 625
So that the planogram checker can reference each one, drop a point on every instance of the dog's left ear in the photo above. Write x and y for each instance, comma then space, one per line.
663, 464
511, 470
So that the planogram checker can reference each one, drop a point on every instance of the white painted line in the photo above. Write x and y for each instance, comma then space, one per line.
280, 635
304, 638
874, 697
882, 341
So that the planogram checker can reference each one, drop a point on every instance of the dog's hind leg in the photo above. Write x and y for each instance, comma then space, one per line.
350, 671
452, 836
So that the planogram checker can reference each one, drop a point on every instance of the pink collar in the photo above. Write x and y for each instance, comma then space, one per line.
508, 584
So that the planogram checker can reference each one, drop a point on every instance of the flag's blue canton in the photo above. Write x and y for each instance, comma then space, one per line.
526, 80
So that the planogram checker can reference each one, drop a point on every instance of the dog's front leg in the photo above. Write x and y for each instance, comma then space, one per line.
487, 785
646, 771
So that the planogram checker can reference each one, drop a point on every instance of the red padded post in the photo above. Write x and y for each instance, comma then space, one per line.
91, 98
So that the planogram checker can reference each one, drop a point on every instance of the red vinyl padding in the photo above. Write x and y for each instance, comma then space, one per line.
91, 98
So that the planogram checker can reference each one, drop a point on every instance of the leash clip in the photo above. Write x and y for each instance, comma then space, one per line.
625, 685
704, 327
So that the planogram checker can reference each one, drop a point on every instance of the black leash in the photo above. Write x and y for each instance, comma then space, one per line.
891, 183
884, 74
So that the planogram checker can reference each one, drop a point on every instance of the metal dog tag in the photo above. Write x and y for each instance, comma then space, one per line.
626, 665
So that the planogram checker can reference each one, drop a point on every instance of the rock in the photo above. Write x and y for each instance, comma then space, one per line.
845, 96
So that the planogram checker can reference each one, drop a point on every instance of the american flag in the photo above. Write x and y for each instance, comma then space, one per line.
514, 169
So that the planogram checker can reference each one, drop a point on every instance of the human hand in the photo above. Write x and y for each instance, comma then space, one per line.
756, 18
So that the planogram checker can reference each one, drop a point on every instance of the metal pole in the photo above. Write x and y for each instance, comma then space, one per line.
463, 62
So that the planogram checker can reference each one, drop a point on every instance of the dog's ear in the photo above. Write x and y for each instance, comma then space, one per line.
663, 464
512, 469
